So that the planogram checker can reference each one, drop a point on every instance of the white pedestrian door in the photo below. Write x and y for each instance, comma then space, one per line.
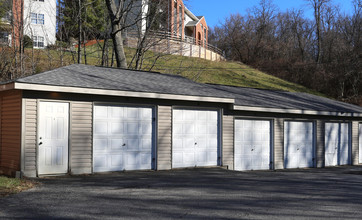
252, 144
123, 138
298, 144
336, 144
195, 138
360, 143
53, 138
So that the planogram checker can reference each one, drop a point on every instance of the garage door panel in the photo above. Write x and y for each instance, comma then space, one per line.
252, 144
202, 128
116, 144
100, 161
101, 112
212, 129
123, 138
189, 115
177, 144
177, 158
337, 144
131, 113
212, 143
132, 128
177, 129
201, 143
116, 112
246, 163
116, 160
116, 128
298, 144
188, 143
146, 144
188, 128
101, 127
360, 143
177, 116
202, 116
146, 113
132, 144
146, 128
100, 144
199, 138
189, 158
201, 157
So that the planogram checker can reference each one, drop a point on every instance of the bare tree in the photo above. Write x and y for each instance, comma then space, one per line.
318, 6
118, 12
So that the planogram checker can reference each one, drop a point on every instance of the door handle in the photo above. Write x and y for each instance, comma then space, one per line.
123, 145
40, 143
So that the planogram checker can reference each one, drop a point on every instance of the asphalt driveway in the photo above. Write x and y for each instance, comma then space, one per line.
333, 193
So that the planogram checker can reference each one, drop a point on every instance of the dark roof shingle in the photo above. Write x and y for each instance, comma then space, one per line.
85, 76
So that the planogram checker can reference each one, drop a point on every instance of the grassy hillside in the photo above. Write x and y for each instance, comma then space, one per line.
199, 70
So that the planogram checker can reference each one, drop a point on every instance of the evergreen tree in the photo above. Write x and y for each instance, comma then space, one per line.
91, 16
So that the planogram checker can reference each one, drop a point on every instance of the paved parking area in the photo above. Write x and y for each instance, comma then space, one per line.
333, 193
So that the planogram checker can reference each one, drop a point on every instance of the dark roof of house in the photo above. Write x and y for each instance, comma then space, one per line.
85, 76
191, 23
285, 100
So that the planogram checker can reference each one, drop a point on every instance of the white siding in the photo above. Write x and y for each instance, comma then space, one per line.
164, 134
46, 30
228, 141
81, 137
278, 143
355, 143
30, 134
320, 144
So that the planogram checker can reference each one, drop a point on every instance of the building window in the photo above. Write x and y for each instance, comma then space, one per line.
4, 38
37, 18
205, 35
180, 21
175, 19
38, 41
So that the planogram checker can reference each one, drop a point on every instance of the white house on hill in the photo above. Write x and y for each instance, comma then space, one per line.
33, 18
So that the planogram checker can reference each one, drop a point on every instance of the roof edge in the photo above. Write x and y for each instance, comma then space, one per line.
7, 86
296, 111
188, 12
91, 91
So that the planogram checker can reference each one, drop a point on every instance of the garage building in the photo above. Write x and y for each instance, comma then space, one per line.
83, 119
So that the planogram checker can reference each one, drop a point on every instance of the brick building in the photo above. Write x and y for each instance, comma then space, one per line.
184, 24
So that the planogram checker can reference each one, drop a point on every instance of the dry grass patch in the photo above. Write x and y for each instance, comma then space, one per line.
12, 185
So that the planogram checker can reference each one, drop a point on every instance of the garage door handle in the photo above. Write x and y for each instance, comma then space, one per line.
40, 143
195, 143
123, 145
297, 148
252, 149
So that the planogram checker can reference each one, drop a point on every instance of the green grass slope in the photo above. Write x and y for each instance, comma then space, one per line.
196, 69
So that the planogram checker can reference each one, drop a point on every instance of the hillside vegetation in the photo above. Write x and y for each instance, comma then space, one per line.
196, 69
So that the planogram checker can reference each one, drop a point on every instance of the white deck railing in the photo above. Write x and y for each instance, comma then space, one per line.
186, 39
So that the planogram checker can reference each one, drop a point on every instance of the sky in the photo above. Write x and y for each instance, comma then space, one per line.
215, 11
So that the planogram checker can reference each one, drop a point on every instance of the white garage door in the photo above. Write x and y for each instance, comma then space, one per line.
298, 144
252, 144
123, 138
360, 143
195, 138
336, 144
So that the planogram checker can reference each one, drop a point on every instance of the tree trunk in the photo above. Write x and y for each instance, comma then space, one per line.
118, 46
